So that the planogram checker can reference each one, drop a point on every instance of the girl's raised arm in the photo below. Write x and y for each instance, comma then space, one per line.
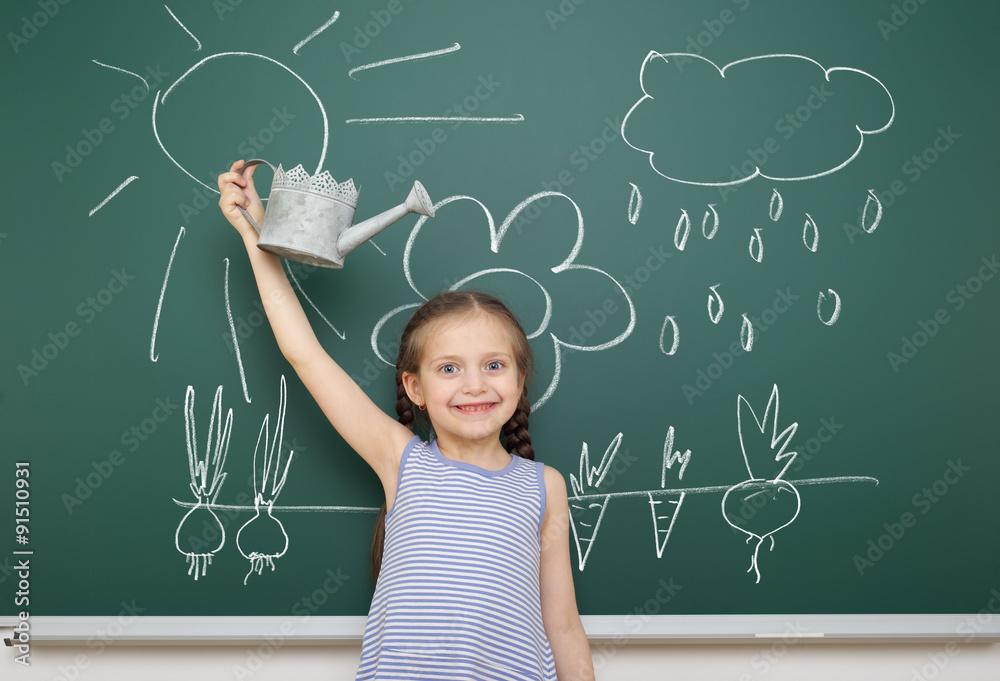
373, 434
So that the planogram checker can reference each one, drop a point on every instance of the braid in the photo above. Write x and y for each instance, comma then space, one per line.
404, 407
404, 412
515, 431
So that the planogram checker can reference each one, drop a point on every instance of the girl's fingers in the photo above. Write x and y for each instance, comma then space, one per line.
236, 189
239, 176
234, 174
247, 177
234, 195
230, 178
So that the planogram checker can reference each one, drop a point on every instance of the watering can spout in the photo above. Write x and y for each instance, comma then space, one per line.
310, 219
416, 202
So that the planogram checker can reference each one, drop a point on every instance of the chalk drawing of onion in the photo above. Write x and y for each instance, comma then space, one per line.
200, 525
263, 539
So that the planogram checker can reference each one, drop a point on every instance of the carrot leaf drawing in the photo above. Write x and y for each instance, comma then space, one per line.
262, 539
206, 482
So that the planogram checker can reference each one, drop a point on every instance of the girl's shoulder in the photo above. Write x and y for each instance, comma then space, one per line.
553, 476
555, 490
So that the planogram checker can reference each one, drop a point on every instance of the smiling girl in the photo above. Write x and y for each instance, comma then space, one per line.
471, 553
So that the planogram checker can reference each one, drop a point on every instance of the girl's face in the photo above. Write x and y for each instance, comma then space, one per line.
468, 380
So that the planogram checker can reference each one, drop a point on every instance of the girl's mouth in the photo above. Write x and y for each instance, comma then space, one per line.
477, 408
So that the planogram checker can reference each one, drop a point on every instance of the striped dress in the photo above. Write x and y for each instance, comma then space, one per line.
458, 596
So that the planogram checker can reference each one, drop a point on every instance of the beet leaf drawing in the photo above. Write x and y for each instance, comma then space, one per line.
262, 539
760, 506
206, 482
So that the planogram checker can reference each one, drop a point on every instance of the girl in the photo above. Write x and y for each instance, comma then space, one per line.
476, 580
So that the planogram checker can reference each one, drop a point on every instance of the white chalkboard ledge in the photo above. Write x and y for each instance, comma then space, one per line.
975, 628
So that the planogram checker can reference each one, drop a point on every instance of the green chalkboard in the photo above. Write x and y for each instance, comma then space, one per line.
752, 241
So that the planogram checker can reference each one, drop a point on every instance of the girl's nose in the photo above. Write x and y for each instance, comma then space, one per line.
475, 384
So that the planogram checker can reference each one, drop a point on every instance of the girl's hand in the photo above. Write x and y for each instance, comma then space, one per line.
235, 190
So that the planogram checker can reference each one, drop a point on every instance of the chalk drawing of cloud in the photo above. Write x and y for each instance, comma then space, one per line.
781, 116
560, 286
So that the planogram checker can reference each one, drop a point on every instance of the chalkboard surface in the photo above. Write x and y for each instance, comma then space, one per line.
753, 243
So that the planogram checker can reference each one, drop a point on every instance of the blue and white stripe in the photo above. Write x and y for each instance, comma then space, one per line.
458, 596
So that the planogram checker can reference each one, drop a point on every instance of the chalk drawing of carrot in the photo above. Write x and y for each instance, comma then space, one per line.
263, 539
200, 523
665, 511
587, 510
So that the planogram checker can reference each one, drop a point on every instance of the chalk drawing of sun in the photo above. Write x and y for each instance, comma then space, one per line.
194, 144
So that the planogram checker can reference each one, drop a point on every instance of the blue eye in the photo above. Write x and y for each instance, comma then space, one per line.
449, 368
494, 366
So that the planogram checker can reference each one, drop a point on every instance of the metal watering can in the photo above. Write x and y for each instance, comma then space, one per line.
311, 219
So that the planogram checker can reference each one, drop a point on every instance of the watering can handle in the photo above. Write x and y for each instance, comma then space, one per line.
252, 162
